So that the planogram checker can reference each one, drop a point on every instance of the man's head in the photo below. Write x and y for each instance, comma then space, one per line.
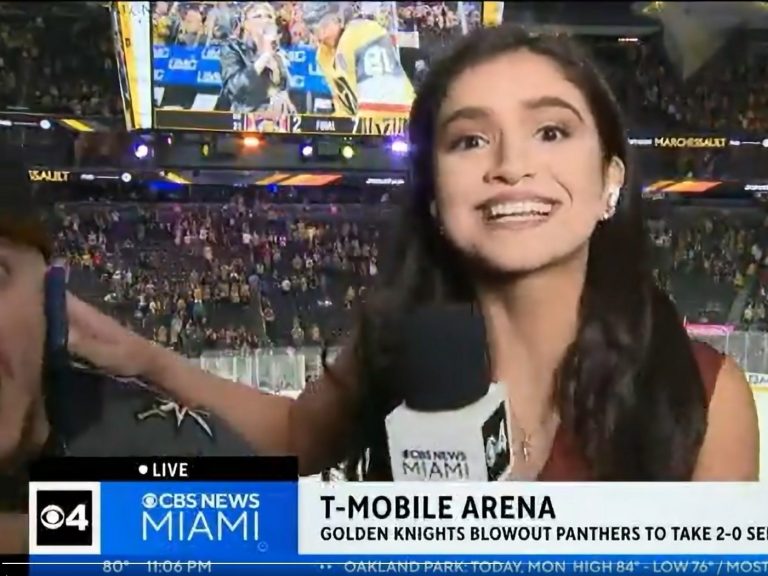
24, 250
325, 21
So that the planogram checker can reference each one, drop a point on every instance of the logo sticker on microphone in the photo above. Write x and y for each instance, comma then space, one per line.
497, 454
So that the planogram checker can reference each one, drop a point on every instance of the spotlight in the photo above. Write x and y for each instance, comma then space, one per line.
307, 150
347, 152
125, 177
45, 124
251, 142
765, 143
141, 151
400, 147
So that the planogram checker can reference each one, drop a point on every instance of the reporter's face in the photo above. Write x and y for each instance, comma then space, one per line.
521, 178
22, 336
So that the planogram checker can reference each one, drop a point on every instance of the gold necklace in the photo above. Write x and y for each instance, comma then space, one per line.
526, 443
525, 446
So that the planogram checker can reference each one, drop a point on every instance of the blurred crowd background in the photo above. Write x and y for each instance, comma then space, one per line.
254, 270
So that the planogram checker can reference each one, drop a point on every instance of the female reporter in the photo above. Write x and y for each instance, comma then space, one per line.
521, 201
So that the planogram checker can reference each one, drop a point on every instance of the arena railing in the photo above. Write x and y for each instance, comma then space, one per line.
287, 370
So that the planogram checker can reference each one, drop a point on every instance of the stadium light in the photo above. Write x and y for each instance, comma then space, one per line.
400, 147
125, 177
141, 151
307, 150
347, 152
45, 124
251, 142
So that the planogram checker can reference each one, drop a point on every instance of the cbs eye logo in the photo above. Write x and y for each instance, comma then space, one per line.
53, 517
64, 519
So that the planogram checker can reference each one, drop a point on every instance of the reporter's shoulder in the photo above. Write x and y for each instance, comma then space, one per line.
127, 417
731, 448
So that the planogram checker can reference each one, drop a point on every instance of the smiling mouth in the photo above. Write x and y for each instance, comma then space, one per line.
519, 212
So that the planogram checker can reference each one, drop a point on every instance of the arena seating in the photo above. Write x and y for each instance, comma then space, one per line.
259, 277
38, 75
268, 277
301, 272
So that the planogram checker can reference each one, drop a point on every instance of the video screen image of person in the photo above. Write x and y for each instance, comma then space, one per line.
325, 58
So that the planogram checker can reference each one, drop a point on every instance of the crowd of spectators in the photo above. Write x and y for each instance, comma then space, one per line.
247, 274
194, 24
214, 276
431, 27
728, 93
59, 65
241, 275
755, 316
706, 261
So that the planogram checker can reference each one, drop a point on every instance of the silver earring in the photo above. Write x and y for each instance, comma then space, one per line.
613, 201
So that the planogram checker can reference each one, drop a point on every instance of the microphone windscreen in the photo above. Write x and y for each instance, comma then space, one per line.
443, 363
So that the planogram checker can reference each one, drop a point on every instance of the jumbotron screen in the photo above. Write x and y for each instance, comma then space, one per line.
282, 67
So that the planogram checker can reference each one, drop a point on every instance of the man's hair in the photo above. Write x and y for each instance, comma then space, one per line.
314, 12
21, 220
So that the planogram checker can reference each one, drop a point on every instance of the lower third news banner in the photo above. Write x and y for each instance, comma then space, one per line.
157, 516
252, 516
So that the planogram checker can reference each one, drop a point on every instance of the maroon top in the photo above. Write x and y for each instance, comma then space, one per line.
565, 464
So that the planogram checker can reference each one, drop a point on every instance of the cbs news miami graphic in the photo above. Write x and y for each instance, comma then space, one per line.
254, 516
137, 516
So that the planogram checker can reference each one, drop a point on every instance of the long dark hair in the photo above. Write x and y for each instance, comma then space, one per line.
628, 389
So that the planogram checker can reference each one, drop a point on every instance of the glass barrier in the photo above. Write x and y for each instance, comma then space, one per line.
289, 369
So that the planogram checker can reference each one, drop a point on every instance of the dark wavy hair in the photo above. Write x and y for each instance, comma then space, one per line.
628, 389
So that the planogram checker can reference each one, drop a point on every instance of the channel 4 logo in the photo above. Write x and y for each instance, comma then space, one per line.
64, 518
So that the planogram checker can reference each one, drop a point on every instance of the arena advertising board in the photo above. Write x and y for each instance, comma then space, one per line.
281, 67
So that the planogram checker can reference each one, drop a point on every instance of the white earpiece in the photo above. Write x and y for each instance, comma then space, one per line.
613, 201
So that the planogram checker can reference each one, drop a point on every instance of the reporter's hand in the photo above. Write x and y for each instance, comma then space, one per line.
100, 340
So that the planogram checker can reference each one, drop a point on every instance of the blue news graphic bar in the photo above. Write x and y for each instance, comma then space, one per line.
333, 566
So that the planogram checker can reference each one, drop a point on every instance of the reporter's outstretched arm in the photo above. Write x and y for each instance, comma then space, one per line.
312, 427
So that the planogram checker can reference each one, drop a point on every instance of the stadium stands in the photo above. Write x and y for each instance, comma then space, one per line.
244, 275
38, 75
239, 276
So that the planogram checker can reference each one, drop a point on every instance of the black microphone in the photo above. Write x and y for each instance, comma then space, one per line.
452, 425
